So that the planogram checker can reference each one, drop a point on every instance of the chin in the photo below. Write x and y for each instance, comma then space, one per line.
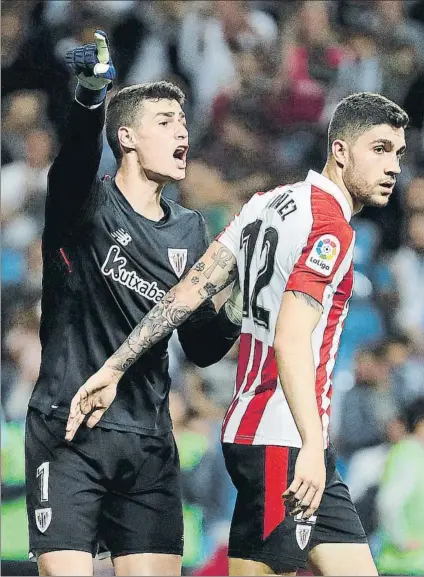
377, 200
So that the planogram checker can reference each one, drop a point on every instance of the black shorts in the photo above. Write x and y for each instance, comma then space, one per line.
118, 487
261, 528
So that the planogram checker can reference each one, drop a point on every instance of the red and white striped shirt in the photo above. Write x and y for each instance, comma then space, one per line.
295, 237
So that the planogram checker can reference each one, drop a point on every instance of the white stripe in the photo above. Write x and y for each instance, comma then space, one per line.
338, 277
243, 401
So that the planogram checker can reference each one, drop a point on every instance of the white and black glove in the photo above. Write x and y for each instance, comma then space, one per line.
93, 67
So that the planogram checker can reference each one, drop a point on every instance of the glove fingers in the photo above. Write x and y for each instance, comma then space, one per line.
102, 47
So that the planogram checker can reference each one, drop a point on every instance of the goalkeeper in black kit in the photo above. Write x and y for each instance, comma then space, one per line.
112, 248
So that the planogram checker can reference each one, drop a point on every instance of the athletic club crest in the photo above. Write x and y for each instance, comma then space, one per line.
304, 529
178, 259
43, 518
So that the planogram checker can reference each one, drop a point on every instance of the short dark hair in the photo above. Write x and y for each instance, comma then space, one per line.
357, 113
125, 105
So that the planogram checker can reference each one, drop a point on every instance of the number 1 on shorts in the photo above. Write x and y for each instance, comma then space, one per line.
43, 473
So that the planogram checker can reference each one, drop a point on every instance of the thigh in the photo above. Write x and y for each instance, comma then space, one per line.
337, 518
147, 564
339, 559
62, 492
261, 529
143, 512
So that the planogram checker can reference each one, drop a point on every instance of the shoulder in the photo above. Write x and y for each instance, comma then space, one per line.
179, 211
186, 217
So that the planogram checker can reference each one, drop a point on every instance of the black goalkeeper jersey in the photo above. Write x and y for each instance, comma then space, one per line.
105, 267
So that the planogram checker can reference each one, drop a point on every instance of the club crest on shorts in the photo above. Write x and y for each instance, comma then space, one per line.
178, 259
43, 518
304, 529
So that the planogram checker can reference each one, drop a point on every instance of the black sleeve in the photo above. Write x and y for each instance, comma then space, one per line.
72, 179
207, 336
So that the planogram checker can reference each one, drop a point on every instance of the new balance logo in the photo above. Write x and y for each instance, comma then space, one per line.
121, 236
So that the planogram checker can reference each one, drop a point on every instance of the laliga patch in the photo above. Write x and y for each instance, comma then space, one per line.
43, 518
323, 255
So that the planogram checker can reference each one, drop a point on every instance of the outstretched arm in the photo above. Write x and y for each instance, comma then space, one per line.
73, 173
212, 273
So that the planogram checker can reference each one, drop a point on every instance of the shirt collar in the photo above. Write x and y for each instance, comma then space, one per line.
327, 185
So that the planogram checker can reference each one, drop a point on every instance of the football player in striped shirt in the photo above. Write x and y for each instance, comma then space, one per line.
291, 249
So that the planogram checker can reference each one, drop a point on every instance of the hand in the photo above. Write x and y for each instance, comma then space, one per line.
95, 396
305, 492
234, 305
92, 64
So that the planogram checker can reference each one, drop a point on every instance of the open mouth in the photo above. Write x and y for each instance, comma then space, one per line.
180, 155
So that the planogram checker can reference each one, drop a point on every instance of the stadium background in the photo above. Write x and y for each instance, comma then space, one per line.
262, 79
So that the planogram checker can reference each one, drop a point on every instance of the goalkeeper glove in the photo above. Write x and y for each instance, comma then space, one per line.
234, 305
93, 67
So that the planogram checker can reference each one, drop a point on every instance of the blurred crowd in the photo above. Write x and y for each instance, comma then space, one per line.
262, 79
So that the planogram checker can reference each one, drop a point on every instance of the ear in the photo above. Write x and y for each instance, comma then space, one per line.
126, 138
339, 152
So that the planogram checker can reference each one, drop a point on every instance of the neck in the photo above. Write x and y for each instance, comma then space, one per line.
333, 173
142, 193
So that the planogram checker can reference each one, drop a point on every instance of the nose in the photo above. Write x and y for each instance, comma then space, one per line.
394, 168
182, 132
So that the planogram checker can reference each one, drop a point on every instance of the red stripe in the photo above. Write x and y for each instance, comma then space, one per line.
276, 472
243, 360
343, 292
302, 278
255, 410
66, 259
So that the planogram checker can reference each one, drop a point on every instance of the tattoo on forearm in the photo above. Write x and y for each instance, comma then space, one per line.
308, 299
221, 258
168, 314
161, 320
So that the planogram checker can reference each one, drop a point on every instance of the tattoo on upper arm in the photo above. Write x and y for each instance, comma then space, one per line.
194, 280
199, 266
221, 258
308, 299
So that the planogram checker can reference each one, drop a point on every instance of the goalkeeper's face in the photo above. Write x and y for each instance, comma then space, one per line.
161, 140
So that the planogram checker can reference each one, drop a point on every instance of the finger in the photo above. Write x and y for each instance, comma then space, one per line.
305, 502
314, 504
75, 403
95, 418
301, 492
73, 427
102, 47
292, 489
302, 505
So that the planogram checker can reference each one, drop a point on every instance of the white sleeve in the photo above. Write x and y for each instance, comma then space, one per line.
230, 236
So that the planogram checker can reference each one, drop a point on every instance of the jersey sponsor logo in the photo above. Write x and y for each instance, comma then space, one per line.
121, 236
304, 529
43, 518
323, 255
114, 266
178, 259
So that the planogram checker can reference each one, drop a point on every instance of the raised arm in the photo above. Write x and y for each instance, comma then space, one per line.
212, 273
73, 173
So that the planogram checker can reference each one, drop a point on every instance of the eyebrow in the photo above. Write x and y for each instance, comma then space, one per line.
169, 114
388, 142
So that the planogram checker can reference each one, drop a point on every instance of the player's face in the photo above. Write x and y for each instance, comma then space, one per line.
372, 164
162, 140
